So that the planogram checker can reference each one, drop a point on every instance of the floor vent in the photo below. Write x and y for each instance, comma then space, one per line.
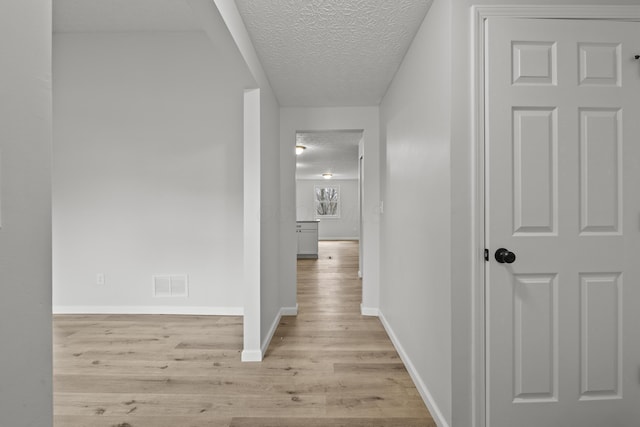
170, 286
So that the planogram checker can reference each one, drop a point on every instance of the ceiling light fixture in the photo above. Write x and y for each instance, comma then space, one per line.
327, 175
300, 149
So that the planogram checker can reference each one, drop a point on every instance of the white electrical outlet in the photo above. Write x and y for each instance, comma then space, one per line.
100, 279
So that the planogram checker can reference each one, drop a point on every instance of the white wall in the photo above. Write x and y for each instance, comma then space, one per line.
25, 213
251, 223
344, 228
147, 171
416, 228
271, 302
293, 119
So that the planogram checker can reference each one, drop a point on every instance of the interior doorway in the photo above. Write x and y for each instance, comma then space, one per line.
328, 189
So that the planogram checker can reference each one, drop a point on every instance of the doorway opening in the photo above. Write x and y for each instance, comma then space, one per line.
328, 191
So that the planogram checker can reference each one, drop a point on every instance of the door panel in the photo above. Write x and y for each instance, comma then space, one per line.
534, 63
600, 171
535, 337
600, 335
563, 162
600, 64
535, 170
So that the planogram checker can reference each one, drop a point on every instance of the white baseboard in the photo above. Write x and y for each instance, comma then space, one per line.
284, 311
148, 309
426, 395
272, 330
369, 311
251, 356
338, 238
289, 311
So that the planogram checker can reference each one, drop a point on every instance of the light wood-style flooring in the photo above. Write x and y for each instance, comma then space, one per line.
329, 366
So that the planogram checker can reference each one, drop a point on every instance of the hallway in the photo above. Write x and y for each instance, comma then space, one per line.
347, 357
329, 366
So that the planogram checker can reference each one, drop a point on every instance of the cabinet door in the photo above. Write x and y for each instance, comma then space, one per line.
307, 242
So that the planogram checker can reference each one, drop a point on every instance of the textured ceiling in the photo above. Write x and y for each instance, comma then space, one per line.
123, 16
331, 52
335, 152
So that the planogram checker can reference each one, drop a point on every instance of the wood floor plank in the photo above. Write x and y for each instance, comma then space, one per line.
327, 366
332, 422
231, 385
201, 420
121, 404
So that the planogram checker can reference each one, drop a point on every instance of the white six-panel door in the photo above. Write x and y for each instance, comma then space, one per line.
563, 194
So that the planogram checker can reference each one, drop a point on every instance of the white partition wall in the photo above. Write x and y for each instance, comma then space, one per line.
273, 303
251, 227
25, 214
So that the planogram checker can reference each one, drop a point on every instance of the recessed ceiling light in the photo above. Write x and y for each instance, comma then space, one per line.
300, 149
327, 175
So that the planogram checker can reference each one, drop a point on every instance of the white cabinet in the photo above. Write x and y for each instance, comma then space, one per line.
307, 233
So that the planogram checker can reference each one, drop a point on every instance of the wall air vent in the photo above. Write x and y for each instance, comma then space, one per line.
174, 285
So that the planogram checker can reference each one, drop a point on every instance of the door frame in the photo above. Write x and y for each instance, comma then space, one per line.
479, 16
